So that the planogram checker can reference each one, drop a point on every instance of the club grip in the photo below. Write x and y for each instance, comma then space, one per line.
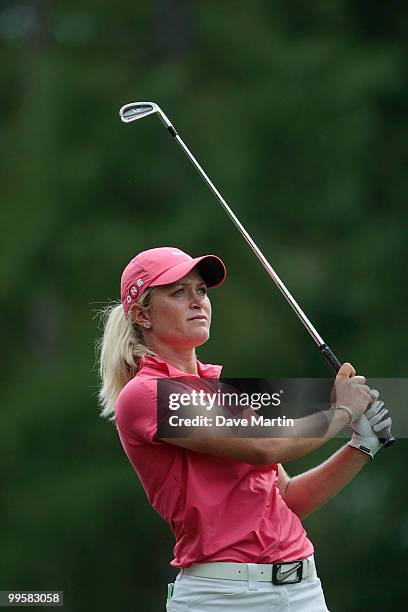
330, 357
336, 365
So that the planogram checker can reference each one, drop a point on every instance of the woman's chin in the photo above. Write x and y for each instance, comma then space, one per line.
199, 338
203, 341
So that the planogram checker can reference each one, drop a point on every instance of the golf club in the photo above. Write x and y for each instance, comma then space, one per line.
138, 110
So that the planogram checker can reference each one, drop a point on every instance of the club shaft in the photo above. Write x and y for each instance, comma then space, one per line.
290, 299
318, 340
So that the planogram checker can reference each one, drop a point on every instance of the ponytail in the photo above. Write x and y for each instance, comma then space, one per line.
119, 351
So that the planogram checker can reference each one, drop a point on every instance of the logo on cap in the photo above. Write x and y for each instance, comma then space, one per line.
134, 291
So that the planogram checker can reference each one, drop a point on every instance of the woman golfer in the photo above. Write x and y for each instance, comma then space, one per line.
234, 511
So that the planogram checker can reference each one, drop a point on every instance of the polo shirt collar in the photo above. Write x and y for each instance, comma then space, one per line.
205, 370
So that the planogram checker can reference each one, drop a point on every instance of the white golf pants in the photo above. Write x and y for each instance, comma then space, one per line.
196, 594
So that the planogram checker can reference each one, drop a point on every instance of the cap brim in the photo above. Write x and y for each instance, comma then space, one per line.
211, 268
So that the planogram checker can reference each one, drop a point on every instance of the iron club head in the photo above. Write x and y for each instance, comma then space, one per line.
137, 110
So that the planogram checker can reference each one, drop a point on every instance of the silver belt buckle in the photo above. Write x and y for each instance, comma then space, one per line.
291, 575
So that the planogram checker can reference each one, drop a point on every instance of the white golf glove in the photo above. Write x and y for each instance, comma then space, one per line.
371, 426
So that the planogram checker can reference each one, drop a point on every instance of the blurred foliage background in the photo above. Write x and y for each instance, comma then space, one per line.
298, 113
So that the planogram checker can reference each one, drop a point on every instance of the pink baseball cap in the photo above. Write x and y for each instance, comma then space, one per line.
163, 266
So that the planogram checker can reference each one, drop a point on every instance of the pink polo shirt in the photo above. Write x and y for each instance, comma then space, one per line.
218, 509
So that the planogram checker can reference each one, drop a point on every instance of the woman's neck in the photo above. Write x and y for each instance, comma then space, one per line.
184, 360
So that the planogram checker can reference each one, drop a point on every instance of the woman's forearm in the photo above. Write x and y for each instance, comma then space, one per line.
303, 442
311, 490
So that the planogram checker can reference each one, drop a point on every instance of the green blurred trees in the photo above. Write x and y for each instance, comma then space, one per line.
297, 111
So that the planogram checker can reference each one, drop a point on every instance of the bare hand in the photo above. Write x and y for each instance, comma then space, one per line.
351, 391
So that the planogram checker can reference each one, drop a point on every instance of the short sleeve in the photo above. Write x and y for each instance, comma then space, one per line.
136, 412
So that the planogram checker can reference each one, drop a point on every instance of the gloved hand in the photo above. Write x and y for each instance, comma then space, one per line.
371, 426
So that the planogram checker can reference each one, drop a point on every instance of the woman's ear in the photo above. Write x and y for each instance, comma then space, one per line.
140, 316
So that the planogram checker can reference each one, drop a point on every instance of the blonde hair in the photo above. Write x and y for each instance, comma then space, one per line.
119, 351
